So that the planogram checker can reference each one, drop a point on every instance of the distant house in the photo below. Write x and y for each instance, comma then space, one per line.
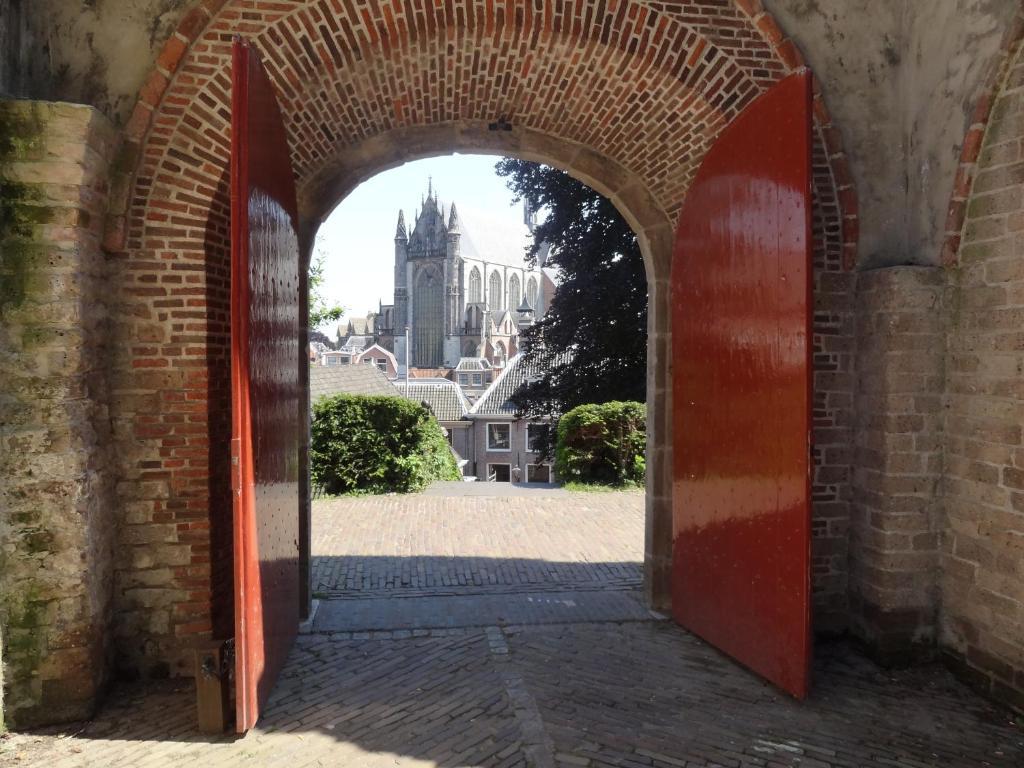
505, 445
445, 400
474, 375
377, 356
335, 357
325, 381
357, 328
350, 352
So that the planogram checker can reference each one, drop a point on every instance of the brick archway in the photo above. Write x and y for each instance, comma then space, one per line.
626, 95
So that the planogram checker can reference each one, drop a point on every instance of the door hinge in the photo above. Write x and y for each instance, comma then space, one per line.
236, 464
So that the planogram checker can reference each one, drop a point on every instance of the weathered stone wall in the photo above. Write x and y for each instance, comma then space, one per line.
57, 523
898, 459
900, 78
97, 53
982, 581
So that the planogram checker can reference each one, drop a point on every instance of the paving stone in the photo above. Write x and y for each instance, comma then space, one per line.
629, 694
434, 545
478, 610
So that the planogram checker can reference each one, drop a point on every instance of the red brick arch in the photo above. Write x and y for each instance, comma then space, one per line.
625, 94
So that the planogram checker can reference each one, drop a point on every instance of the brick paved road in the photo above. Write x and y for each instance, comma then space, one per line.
590, 693
635, 694
454, 545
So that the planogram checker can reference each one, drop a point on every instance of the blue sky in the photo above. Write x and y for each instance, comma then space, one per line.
358, 236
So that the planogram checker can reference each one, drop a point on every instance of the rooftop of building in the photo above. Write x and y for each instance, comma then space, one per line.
328, 380
473, 364
444, 398
497, 398
429, 373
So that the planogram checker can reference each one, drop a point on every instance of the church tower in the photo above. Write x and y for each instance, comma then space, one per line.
401, 311
426, 283
455, 300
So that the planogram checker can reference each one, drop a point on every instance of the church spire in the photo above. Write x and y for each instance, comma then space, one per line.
453, 220
400, 233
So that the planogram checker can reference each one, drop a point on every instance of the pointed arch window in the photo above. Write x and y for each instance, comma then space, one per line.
476, 286
514, 295
428, 320
494, 289
531, 292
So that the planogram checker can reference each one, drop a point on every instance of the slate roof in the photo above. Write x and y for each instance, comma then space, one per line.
355, 343
428, 373
492, 238
473, 364
495, 399
443, 397
326, 380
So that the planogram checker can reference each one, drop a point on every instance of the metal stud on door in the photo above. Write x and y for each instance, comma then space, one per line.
265, 389
741, 392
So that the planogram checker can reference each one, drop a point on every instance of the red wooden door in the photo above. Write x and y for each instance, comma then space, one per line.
741, 319
265, 360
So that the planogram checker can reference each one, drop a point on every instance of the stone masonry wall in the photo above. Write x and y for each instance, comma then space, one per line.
897, 463
982, 582
56, 525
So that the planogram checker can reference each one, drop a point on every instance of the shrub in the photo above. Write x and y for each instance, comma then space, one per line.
602, 444
377, 444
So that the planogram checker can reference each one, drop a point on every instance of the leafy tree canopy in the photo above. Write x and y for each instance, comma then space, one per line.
321, 310
599, 313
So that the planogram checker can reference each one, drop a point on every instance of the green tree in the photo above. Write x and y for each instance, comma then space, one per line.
377, 444
321, 310
602, 444
591, 345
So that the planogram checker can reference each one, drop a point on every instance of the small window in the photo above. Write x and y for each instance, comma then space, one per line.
535, 434
369, 361
382, 365
538, 473
499, 473
478, 379
464, 379
499, 437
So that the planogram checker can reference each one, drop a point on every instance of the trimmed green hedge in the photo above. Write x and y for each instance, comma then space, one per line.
602, 444
377, 444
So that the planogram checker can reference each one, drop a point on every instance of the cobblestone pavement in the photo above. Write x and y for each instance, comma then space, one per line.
480, 610
630, 694
462, 488
429, 545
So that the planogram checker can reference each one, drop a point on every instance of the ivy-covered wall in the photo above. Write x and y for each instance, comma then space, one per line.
56, 529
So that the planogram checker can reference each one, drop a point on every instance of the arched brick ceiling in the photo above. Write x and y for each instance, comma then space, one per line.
646, 84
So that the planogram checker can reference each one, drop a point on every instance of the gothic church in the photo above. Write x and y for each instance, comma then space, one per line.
455, 300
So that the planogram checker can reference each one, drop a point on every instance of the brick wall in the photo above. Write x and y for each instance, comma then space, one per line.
833, 360
57, 521
982, 550
897, 464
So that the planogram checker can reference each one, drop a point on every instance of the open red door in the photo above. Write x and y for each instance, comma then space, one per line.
265, 360
741, 371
